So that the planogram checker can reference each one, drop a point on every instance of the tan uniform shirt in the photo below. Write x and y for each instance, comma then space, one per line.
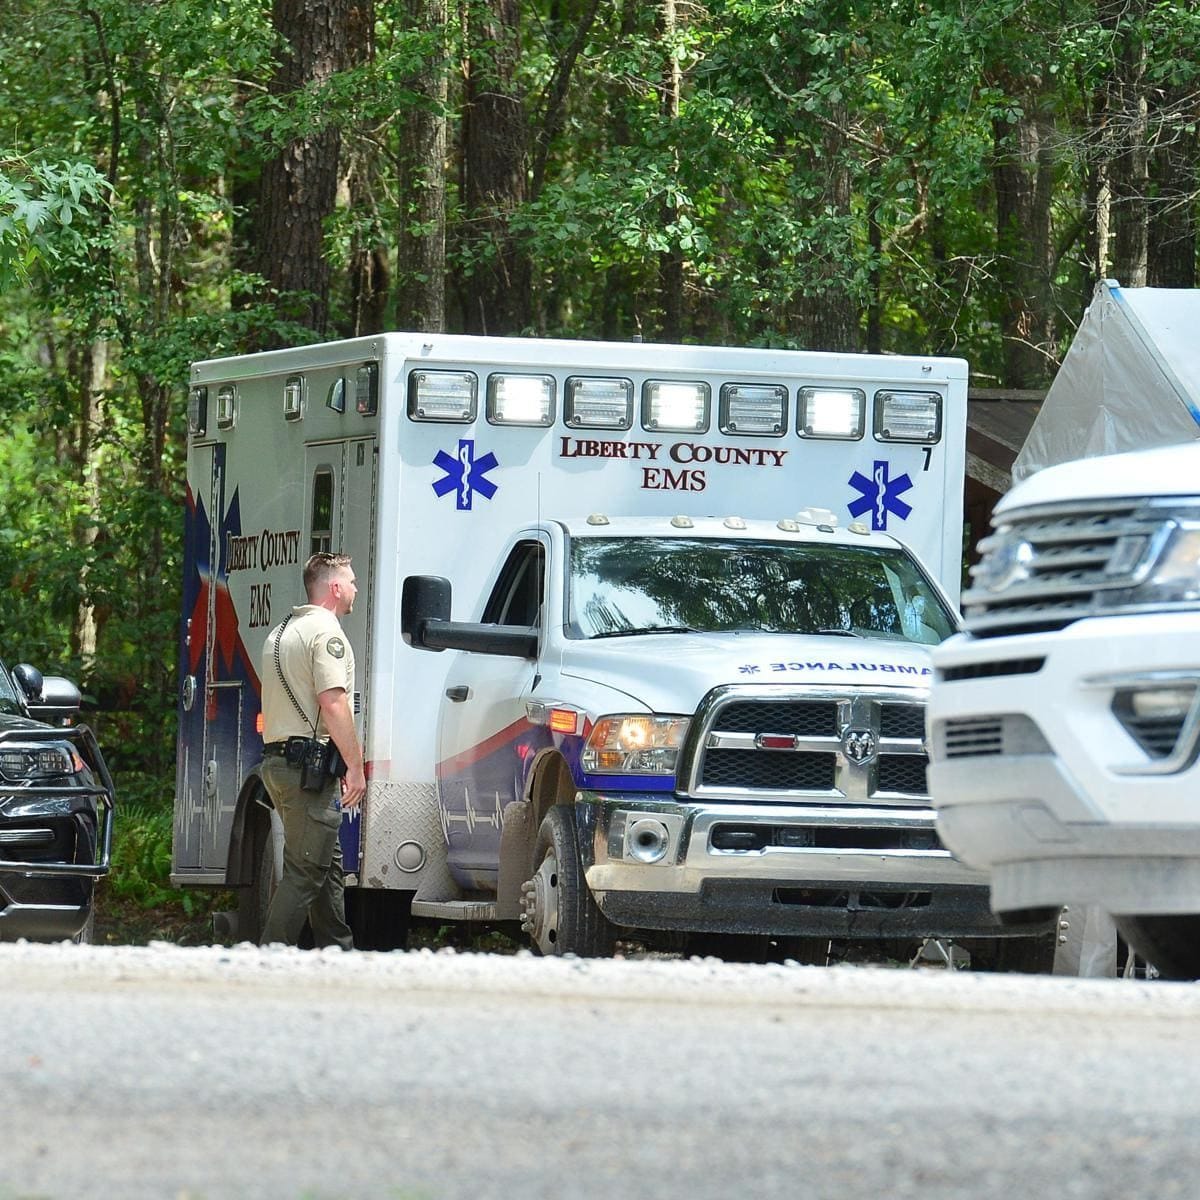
315, 655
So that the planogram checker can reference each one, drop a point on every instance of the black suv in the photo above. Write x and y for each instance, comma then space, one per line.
56, 810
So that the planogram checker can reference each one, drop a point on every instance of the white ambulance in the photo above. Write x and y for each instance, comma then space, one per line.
702, 586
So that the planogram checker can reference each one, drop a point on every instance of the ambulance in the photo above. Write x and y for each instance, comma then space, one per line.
642, 633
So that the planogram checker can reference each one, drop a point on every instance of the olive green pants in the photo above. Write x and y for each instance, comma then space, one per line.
312, 886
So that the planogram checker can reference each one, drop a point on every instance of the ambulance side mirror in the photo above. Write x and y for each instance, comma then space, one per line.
425, 598
425, 624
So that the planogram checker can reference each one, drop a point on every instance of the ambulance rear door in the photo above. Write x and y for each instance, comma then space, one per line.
340, 481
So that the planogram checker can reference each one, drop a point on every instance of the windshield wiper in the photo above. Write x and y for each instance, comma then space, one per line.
837, 632
611, 633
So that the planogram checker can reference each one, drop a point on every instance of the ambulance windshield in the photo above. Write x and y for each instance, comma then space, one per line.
625, 586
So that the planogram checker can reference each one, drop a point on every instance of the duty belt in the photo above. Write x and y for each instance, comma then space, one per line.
291, 750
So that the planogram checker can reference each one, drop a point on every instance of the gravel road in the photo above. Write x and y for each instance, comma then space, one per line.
205, 1073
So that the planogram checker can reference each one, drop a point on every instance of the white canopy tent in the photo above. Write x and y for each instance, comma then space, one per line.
1130, 380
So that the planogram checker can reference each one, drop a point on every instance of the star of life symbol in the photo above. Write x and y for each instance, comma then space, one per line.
880, 494
466, 474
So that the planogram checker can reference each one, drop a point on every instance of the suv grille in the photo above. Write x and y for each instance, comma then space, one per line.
838, 747
1045, 567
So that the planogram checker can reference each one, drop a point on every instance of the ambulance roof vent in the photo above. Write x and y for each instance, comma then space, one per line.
682, 522
822, 518
858, 527
734, 523
788, 525
597, 519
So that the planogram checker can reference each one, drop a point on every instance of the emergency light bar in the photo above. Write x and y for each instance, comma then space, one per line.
442, 395
520, 399
831, 412
908, 416
675, 407
750, 408
598, 403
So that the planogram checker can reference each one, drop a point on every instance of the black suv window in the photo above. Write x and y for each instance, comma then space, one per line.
9, 701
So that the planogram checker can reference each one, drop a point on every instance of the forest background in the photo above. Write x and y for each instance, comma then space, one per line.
183, 179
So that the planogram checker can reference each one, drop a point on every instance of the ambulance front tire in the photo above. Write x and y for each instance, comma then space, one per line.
558, 912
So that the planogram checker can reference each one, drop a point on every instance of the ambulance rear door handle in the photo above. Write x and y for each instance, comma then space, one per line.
458, 694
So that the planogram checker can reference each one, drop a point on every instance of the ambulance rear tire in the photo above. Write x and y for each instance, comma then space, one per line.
1170, 943
559, 913
253, 901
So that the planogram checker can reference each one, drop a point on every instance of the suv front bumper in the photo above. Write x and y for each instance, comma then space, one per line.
831, 870
55, 842
1038, 781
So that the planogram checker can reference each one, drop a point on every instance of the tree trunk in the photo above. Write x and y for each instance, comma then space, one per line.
1171, 252
421, 269
827, 314
1127, 145
299, 184
670, 261
1023, 178
368, 267
89, 368
494, 165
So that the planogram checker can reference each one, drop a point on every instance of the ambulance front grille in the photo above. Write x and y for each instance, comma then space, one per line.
835, 747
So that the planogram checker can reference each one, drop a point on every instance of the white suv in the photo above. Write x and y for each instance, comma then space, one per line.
1065, 722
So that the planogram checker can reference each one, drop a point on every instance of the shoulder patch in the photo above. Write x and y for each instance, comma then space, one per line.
336, 647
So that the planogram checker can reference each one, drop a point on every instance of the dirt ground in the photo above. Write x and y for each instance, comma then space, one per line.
121, 922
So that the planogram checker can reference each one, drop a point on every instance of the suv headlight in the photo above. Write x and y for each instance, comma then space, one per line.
1174, 575
22, 762
634, 744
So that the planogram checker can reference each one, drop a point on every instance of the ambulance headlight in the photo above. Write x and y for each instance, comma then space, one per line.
831, 412
675, 407
443, 395
598, 403
520, 399
634, 744
749, 408
908, 416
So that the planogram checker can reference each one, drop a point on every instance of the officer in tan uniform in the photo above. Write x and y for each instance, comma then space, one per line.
307, 685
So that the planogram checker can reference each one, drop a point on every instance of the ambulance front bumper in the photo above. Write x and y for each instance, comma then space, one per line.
844, 870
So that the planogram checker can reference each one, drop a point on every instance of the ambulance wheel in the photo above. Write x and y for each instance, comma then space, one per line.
1168, 942
253, 901
557, 910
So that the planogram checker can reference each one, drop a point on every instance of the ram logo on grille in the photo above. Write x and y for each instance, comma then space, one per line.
858, 745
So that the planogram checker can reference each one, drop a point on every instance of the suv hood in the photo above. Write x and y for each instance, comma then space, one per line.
671, 673
1164, 471
8, 722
